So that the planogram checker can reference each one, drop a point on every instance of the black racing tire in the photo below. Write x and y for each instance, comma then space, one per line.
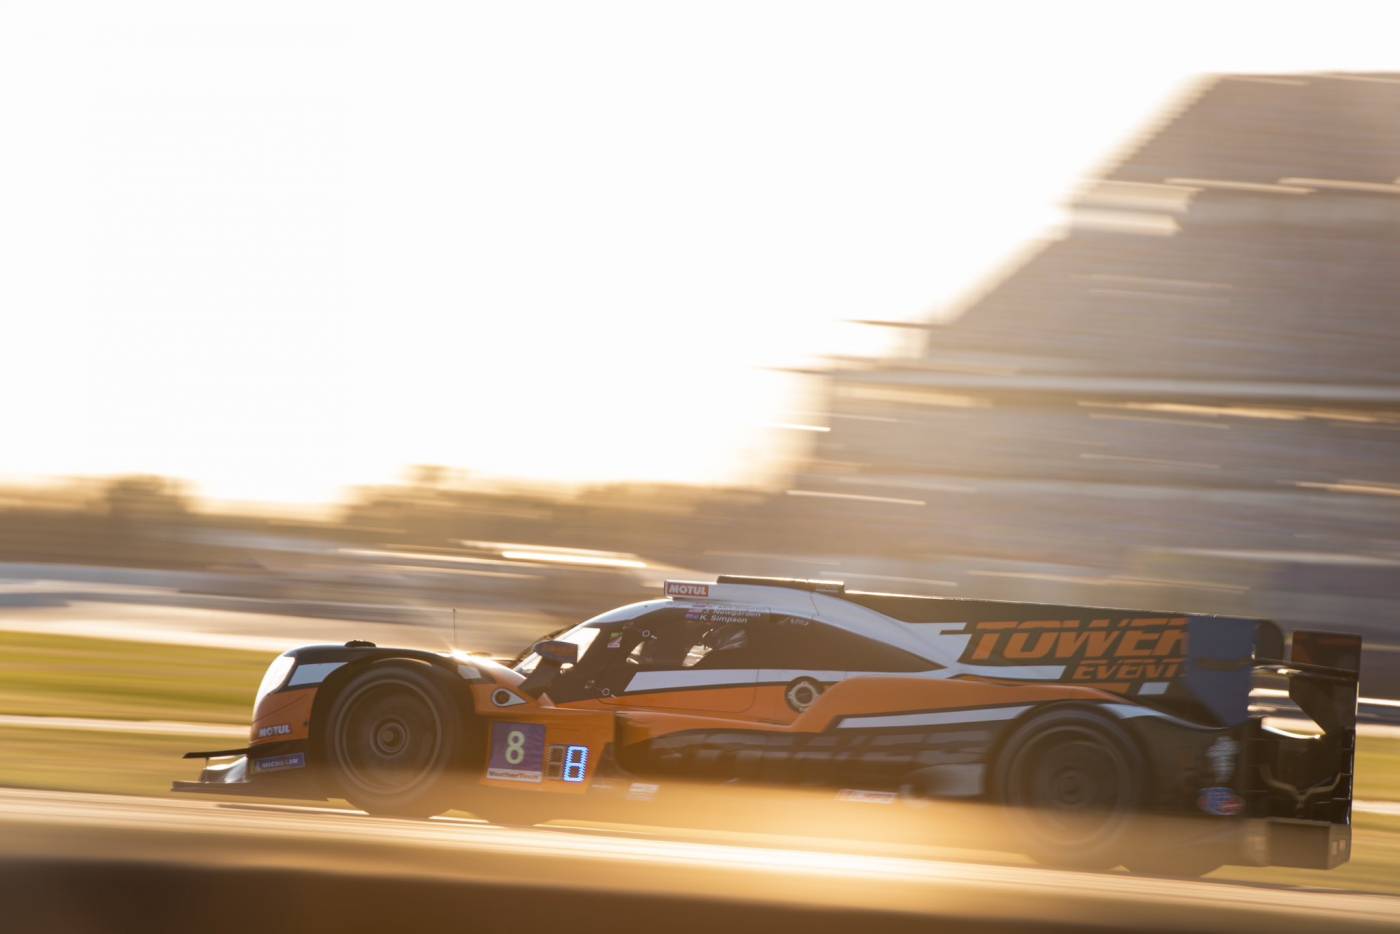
395, 740
1074, 780
505, 810
1179, 863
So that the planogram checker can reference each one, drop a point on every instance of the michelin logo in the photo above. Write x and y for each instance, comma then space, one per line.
296, 760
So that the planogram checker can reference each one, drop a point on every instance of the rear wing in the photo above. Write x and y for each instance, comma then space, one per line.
1323, 676
1232, 662
1303, 780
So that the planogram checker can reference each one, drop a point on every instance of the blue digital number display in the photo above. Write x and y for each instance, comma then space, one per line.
575, 763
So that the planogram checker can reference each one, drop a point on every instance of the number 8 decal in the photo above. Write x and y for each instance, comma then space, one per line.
575, 763
515, 747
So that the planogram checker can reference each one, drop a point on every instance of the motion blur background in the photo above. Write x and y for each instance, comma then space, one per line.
452, 325
322, 322
309, 310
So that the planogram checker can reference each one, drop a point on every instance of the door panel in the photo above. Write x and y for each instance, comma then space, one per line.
719, 690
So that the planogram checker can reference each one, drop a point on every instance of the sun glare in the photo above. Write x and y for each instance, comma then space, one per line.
575, 245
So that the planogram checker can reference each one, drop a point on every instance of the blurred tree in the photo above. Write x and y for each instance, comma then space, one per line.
142, 498
430, 476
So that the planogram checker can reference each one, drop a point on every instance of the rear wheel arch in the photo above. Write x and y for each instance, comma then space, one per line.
1075, 779
1119, 728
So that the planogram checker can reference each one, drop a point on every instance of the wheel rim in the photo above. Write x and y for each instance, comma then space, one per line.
388, 738
1074, 784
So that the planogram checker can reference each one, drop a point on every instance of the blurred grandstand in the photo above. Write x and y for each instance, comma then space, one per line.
1188, 399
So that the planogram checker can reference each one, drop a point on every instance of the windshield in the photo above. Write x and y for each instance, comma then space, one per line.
581, 635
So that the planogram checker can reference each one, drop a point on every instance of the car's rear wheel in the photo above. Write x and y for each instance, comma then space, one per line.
1179, 863
510, 809
395, 740
1074, 781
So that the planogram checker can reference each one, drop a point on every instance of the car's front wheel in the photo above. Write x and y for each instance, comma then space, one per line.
395, 740
510, 809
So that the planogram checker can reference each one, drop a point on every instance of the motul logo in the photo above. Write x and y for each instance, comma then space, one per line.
682, 589
1128, 649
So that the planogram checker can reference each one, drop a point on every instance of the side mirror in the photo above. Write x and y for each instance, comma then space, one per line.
553, 654
557, 651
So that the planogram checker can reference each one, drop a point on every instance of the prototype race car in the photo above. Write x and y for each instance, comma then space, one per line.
1085, 720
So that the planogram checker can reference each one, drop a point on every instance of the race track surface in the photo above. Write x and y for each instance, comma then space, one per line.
87, 863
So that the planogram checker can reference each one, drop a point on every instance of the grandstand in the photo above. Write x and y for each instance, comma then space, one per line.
1190, 396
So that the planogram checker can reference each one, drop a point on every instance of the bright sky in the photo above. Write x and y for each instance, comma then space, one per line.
279, 248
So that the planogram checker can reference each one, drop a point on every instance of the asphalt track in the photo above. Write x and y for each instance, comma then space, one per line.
93, 863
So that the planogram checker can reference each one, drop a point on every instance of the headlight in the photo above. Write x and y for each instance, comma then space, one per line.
272, 678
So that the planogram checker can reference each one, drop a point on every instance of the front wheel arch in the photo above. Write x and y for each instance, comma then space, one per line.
330, 690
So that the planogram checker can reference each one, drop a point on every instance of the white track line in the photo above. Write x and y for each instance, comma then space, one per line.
98, 725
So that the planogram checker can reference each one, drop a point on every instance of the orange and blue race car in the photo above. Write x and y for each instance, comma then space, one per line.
1084, 720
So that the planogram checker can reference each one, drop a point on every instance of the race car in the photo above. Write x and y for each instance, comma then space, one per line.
1085, 721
